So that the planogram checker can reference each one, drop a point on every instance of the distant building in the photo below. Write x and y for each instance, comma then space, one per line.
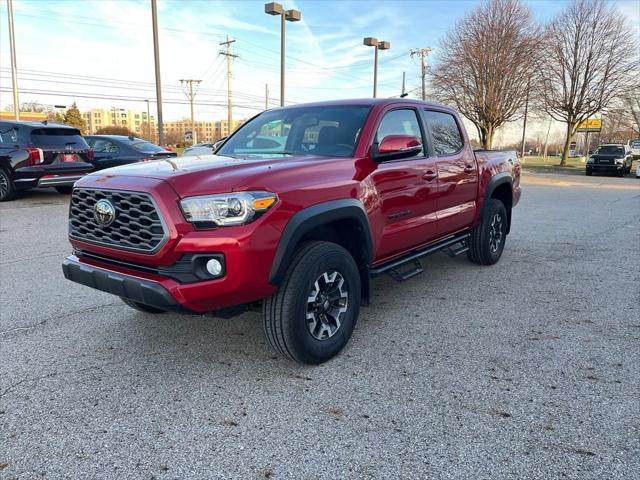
135, 120
24, 116
206, 131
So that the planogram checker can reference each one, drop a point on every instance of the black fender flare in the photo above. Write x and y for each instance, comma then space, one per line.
495, 181
314, 216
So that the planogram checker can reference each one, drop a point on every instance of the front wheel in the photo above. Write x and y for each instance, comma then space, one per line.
312, 315
487, 239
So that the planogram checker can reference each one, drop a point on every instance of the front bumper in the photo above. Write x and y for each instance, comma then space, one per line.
610, 168
137, 289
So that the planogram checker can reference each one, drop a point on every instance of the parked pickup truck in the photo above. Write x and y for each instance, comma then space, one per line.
295, 213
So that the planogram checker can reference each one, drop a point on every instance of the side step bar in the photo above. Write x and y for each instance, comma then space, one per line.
452, 246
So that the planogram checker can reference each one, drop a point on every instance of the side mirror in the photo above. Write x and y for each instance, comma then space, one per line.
396, 147
218, 144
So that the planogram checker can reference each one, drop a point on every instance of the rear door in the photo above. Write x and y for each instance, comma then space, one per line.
457, 172
60, 145
406, 189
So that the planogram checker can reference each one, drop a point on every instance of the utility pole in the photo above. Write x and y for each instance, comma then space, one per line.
14, 67
230, 56
266, 96
404, 92
156, 56
422, 53
191, 94
524, 126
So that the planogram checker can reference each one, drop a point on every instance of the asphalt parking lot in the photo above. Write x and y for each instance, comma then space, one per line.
527, 369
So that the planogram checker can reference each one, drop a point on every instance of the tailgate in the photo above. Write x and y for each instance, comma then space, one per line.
60, 145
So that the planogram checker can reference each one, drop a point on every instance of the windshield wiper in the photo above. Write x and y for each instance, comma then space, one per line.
270, 153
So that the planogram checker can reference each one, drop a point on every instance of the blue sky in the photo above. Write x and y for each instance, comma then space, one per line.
73, 50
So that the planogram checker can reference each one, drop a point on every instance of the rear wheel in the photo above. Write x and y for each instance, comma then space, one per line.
487, 239
7, 188
312, 315
141, 307
66, 190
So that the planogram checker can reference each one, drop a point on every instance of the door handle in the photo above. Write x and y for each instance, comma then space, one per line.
469, 169
429, 175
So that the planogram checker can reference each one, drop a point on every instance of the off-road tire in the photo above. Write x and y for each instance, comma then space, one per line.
480, 242
7, 188
65, 190
141, 307
285, 313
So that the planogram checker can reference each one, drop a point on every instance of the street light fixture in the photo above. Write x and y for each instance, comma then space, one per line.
275, 8
382, 45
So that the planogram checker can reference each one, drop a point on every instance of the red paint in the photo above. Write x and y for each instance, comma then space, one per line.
408, 202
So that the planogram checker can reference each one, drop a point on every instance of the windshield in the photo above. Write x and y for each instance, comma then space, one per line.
58, 137
146, 147
610, 150
328, 131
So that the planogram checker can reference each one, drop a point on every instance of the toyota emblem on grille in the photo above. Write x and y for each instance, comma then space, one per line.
104, 212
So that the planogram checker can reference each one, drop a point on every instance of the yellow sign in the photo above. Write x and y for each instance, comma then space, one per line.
590, 125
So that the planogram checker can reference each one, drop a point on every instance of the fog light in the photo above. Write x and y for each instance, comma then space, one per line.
214, 267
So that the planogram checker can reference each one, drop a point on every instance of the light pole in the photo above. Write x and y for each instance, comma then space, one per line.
156, 56
382, 45
274, 8
14, 67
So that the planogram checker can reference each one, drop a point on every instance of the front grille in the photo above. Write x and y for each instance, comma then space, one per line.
137, 225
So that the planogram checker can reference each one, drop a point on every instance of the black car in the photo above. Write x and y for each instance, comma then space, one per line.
114, 150
41, 154
610, 158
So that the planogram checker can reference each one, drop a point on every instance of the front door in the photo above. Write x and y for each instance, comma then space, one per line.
406, 190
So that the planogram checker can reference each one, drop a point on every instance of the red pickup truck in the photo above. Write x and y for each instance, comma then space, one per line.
295, 213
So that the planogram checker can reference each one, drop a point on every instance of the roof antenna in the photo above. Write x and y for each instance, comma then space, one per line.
45, 121
404, 92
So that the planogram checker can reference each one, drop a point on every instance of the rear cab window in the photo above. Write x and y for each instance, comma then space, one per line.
445, 133
57, 137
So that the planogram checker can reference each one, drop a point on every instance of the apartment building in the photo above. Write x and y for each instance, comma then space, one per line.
135, 120
206, 131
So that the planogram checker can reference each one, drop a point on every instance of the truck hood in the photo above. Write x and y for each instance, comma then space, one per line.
206, 174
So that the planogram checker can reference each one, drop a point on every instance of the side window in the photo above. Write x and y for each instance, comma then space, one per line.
445, 134
399, 122
8, 134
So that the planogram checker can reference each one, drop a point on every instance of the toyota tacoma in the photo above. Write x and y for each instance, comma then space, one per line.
294, 214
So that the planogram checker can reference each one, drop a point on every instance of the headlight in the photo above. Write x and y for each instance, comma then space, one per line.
619, 160
227, 208
590, 160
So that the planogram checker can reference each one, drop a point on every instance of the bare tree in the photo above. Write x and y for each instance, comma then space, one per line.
587, 63
485, 63
632, 103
